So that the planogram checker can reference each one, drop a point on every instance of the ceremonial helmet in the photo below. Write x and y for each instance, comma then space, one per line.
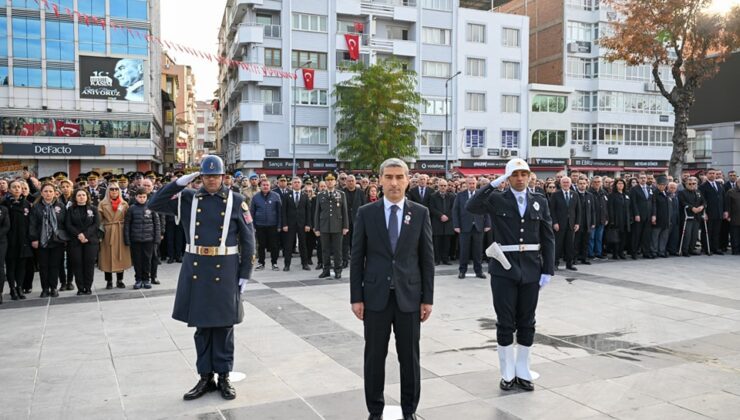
516, 164
211, 165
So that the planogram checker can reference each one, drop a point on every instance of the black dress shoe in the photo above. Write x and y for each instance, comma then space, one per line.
224, 385
19, 293
480, 275
44, 294
719, 252
446, 263
54, 293
70, 286
80, 292
507, 385
286, 268
411, 416
524, 384
204, 386
375, 417
178, 259
461, 275
324, 274
571, 267
155, 281
275, 267
170, 260
319, 266
305, 267
337, 274
109, 284
120, 285
345, 264
585, 262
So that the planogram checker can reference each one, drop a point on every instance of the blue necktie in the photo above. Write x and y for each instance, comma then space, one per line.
393, 227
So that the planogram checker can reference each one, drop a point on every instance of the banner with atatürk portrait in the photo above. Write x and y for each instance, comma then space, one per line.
112, 78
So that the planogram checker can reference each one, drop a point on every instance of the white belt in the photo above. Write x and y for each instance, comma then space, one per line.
211, 251
520, 248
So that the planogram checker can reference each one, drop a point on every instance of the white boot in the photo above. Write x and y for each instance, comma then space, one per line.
522, 364
506, 361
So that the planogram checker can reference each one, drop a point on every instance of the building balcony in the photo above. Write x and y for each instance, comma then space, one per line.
404, 48
247, 76
251, 112
403, 10
349, 7
238, 11
274, 108
252, 151
250, 34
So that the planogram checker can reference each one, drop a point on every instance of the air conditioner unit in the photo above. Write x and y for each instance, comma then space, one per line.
572, 152
586, 147
514, 153
505, 153
476, 151
572, 47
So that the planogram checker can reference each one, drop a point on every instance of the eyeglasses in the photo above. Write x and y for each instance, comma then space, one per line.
113, 189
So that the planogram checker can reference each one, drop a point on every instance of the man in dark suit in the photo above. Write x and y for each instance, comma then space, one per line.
355, 199
522, 226
587, 221
440, 208
672, 247
641, 199
714, 195
725, 230
470, 227
392, 285
421, 194
565, 209
296, 223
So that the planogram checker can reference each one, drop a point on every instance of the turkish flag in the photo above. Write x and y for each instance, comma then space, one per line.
67, 129
308, 78
359, 27
353, 45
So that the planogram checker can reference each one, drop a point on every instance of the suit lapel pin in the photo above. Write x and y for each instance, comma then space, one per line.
536, 206
407, 219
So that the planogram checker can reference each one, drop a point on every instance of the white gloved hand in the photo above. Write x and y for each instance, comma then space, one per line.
243, 285
186, 179
545, 280
500, 180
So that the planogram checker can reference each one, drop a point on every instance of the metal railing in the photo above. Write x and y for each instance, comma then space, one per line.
272, 31
274, 108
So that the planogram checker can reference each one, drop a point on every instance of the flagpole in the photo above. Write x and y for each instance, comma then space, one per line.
295, 103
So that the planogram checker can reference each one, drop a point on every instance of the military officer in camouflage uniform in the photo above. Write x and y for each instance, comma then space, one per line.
217, 264
331, 224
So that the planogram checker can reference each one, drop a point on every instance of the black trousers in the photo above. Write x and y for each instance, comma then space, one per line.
30, 271
295, 233
215, 349
175, 238
347, 245
267, 238
565, 245
331, 246
714, 226
141, 257
515, 304
50, 261
83, 257
690, 236
311, 245
442, 248
641, 237
735, 236
724, 235
407, 331
619, 246
16, 272
154, 261
674, 237
581, 242
471, 247
3, 277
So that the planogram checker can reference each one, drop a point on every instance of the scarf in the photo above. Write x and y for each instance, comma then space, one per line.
115, 203
48, 225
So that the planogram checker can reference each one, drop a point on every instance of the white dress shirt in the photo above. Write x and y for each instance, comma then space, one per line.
522, 204
399, 213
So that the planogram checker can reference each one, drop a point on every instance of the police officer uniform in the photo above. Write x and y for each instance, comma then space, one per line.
330, 219
522, 226
218, 260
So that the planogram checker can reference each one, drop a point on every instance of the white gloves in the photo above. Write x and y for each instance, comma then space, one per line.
544, 280
184, 180
243, 285
500, 180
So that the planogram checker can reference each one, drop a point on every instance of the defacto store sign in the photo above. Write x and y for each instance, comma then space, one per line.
51, 150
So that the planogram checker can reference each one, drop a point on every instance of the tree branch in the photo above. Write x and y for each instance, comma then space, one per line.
659, 82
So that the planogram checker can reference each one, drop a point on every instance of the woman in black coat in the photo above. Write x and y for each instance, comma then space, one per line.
47, 221
19, 245
618, 229
4, 228
82, 223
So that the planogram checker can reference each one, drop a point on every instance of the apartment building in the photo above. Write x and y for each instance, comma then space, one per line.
178, 81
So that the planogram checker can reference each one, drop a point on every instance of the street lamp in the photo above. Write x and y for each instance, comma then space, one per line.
295, 103
446, 140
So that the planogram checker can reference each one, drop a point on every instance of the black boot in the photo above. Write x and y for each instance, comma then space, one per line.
227, 390
109, 284
204, 386
13, 294
324, 274
20, 294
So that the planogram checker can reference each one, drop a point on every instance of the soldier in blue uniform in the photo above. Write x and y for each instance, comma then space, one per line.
523, 261
217, 264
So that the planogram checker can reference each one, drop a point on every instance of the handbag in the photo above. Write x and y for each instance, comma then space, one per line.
61, 236
612, 235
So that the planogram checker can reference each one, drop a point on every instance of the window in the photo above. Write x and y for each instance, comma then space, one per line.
124, 42
4, 76
311, 135
475, 102
510, 103
26, 38
475, 138
510, 70
273, 57
583, 4
271, 97
60, 38
432, 138
92, 38
510, 139
580, 31
26, 4
434, 106
318, 60
583, 68
345, 62
585, 101
618, 134
346, 26
476, 33
510, 37
316, 97
437, 4
129, 9
435, 69
60, 79
312, 23
548, 138
475, 67
26, 77
435, 36
549, 103
95, 7
3, 36
583, 134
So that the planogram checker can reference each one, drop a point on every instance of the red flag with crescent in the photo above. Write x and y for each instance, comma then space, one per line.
353, 45
308, 78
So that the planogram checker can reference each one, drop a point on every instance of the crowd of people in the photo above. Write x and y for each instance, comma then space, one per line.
63, 229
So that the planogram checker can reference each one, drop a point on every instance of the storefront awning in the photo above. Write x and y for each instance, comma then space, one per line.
597, 168
480, 171
639, 169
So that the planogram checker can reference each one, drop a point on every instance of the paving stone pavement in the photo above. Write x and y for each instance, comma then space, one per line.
625, 340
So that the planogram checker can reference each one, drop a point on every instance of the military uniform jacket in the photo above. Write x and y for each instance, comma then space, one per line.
509, 228
208, 287
331, 214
